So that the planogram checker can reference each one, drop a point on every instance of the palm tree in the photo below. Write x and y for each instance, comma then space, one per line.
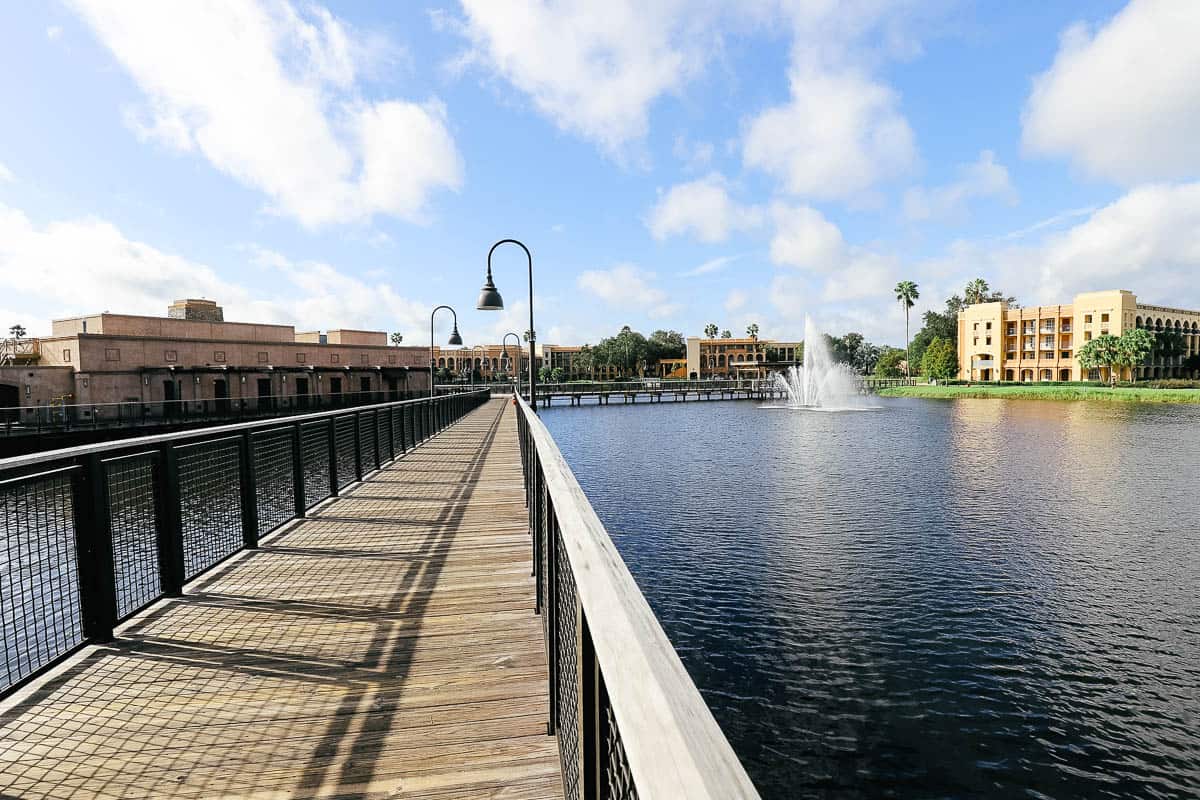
726, 334
752, 330
710, 330
907, 294
17, 330
977, 291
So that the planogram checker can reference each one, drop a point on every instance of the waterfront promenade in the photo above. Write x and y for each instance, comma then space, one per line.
385, 645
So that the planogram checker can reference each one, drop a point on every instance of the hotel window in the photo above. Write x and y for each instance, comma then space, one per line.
67, 355
263, 357
112, 354
334, 358
301, 358
976, 326
988, 340
976, 340
219, 356
1087, 336
989, 326
1104, 317
1087, 318
1066, 353
170, 356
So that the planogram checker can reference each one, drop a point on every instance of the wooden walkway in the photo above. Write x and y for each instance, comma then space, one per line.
384, 647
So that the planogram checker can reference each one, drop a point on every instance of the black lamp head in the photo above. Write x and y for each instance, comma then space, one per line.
489, 296
454, 337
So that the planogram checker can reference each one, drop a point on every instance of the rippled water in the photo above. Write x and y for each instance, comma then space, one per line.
938, 599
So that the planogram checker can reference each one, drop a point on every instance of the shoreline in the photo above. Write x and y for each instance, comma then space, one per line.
1120, 394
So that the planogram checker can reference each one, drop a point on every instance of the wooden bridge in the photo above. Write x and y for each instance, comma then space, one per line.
680, 391
404, 637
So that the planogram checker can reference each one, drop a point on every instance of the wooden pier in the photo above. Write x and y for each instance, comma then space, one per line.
383, 646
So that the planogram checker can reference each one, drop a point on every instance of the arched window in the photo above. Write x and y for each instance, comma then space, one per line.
1008, 375
1137, 323
721, 360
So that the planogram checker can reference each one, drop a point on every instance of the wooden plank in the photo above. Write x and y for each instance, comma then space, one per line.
385, 646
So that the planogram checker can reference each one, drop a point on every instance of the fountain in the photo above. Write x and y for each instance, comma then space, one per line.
821, 383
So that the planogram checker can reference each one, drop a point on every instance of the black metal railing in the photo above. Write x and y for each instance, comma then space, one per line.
629, 721
94, 534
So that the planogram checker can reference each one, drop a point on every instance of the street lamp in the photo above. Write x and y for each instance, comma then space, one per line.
504, 344
454, 339
490, 300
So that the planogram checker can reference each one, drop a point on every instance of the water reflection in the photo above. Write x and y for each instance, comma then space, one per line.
942, 599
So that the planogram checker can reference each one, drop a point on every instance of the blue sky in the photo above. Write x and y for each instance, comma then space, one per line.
669, 163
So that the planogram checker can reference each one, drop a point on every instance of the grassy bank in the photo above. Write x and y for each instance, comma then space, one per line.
1119, 394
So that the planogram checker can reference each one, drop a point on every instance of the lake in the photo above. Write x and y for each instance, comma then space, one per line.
934, 599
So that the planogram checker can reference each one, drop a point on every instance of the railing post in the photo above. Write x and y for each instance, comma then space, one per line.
403, 430
298, 471
93, 550
375, 437
391, 433
249, 491
358, 459
171, 567
333, 465
545, 533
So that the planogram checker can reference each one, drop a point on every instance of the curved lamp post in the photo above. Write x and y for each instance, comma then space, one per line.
454, 339
504, 344
490, 300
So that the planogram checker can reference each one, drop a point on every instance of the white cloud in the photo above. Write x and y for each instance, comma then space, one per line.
736, 300
804, 238
628, 287
839, 134
984, 178
703, 208
1123, 102
592, 68
712, 265
53, 32
6, 175
69, 267
268, 96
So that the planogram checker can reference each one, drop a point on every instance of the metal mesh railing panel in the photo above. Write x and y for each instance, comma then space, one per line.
397, 431
383, 436
275, 491
366, 440
567, 670
134, 522
615, 777
314, 443
210, 501
344, 431
40, 616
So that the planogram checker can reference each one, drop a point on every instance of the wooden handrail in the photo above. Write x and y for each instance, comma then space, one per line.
672, 742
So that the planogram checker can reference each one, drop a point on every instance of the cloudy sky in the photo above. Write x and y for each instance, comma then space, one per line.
669, 163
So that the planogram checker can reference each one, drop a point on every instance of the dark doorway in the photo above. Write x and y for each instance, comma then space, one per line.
301, 392
364, 390
221, 395
264, 394
393, 389
170, 396
335, 390
10, 398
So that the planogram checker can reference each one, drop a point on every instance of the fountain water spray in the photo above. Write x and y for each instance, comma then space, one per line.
821, 382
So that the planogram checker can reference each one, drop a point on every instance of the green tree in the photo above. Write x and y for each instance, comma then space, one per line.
888, 364
752, 330
977, 291
907, 294
726, 334
1102, 352
665, 344
940, 360
17, 331
710, 330
397, 339
585, 361
1134, 347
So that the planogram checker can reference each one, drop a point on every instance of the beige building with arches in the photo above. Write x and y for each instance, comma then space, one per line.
1040, 343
